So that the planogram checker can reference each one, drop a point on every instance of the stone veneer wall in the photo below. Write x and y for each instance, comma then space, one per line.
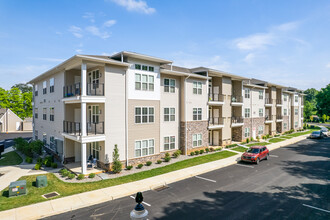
279, 127
237, 134
253, 123
193, 127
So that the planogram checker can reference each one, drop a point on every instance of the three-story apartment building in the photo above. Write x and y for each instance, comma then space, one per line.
146, 106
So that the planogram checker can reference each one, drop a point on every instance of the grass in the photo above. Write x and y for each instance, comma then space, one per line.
275, 140
11, 158
239, 149
66, 189
257, 144
286, 137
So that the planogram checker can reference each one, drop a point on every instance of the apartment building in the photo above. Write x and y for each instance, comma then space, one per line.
147, 106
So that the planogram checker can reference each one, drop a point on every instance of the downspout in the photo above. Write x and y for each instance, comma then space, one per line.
185, 113
126, 118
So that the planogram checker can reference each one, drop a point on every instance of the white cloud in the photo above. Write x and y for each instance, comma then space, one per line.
135, 5
79, 50
76, 31
90, 16
96, 32
287, 26
249, 58
110, 23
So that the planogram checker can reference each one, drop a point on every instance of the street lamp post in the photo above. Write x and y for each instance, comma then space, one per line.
139, 212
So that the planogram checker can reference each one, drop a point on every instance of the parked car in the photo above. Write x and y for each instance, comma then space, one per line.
316, 135
255, 154
325, 132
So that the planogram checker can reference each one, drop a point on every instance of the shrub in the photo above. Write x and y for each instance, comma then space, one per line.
81, 176
28, 160
177, 153
54, 165
267, 135
167, 159
49, 163
211, 149
207, 150
66, 173
219, 149
258, 138
63, 171
192, 153
247, 140
167, 155
201, 151
148, 163
196, 152
159, 161
39, 160
91, 175
252, 139
37, 166
71, 176
140, 165
129, 167
36, 146
116, 165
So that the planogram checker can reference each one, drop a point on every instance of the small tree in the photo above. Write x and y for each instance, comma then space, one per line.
116, 164
324, 118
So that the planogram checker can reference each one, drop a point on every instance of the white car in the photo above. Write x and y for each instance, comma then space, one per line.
325, 132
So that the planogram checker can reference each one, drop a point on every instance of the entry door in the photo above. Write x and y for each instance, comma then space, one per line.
254, 133
216, 138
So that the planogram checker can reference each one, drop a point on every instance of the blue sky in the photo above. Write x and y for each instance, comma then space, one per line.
285, 42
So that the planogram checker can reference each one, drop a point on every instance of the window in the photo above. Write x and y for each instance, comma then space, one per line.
261, 112
51, 114
151, 68
44, 113
247, 112
151, 83
51, 141
197, 114
285, 98
144, 67
169, 85
144, 82
137, 81
137, 66
51, 85
44, 87
247, 93
36, 90
169, 114
296, 98
44, 138
296, 124
169, 143
95, 114
36, 113
36, 135
261, 130
285, 126
94, 78
296, 112
144, 115
144, 147
247, 132
95, 149
261, 94
285, 111
197, 140
197, 88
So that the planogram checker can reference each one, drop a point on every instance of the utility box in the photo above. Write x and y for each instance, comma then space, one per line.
41, 181
17, 188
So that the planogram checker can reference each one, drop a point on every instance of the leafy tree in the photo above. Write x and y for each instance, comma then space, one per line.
116, 164
311, 94
309, 109
23, 87
323, 100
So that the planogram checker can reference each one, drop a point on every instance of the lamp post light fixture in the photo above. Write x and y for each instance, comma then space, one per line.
139, 212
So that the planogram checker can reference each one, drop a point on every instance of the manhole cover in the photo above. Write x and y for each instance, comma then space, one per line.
161, 188
50, 195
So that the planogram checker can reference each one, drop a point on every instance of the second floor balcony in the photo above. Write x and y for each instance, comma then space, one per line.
236, 100
268, 119
216, 122
216, 99
279, 118
92, 89
75, 128
268, 102
237, 121
279, 102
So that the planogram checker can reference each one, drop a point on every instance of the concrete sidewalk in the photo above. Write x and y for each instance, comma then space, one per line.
65, 204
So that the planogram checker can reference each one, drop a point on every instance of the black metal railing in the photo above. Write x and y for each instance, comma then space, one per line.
216, 121
268, 117
268, 101
279, 101
95, 89
236, 119
216, 97
95, 128
71, 90
279, 117
236, 98
72, 127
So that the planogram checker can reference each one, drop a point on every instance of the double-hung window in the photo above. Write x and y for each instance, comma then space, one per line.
296, 124
296, 98
197, 88
35, 112
144, 147
197, 140
169, 85
247, 93
261, 130
51, 85
296, 112
44, 113
51, 114
197, 114
51, 141
247, 112
285, 126
285, 98
247, 132
44, 138
169, 114
44, 87
36, 90
95, 114
261, 112
169, 143
261, 94
144, 82
285, 111
144, 115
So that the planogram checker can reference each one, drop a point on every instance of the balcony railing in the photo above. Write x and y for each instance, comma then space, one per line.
216, 121
72, 90
216, 97
95, 89
72, 128
236, 119
279, 101
268, 117
95, 128
279, 117
268, 101
236, 98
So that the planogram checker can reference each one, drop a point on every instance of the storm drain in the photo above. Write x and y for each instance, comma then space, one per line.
50, 195
161, 188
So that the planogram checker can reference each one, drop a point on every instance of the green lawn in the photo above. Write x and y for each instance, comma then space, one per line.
275, 140
286, 137
66, 189
239, 149
257, 144
11, 158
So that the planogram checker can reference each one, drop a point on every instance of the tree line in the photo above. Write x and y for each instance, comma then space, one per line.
317, 103
18, 99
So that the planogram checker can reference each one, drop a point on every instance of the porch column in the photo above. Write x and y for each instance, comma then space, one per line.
83, 158
83, 79
83, 119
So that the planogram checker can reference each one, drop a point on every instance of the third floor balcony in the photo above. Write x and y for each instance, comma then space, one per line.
216, 99
216, 122
268, 119
268, 102
236, 100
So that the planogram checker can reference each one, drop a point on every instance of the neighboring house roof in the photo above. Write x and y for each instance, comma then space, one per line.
3, 113
139, 56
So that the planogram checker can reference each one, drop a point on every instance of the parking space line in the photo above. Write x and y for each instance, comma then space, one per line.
199, 177
273, 155
142, 202
309, 206
242, 165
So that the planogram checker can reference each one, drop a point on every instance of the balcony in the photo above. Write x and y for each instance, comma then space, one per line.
94, 93
216, 99
95, 128
237, 121
95, 89
268, 119
94, 131
216, 122
279, 102
72, 128
279, 118
268, 102
236, 100
71, 90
